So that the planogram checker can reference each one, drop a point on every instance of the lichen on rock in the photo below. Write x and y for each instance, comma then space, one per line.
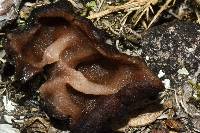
173, 48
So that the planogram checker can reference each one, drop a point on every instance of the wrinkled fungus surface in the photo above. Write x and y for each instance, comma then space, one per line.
89, 82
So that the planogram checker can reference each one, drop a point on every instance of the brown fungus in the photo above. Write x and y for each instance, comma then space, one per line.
90, 82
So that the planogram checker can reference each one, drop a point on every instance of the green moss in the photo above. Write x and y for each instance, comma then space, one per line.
196, 98
196, 87
92, 5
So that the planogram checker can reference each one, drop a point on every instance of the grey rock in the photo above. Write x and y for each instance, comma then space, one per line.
173, 48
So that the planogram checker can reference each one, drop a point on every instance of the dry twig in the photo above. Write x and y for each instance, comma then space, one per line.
198, 16
77, 5
164, 7
140, 6
130, 5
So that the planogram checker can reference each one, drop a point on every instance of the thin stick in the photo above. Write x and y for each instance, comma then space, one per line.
165, 6
131, 4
